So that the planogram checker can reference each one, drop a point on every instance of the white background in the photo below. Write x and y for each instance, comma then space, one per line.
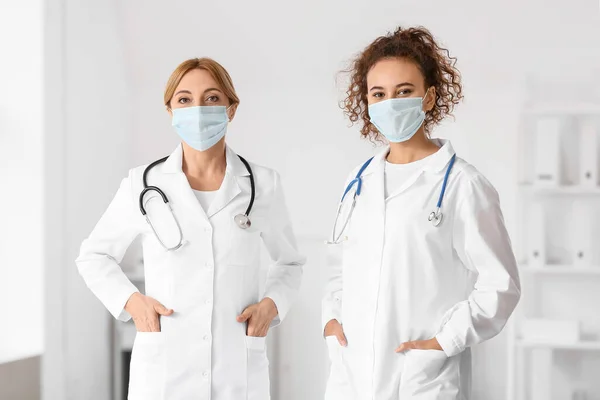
105, 67
21, 194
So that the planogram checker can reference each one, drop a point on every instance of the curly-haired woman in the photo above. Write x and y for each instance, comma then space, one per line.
425, 268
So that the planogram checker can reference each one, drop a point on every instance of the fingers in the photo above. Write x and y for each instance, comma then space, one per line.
257, 331
431, 344
341, 337
409, 345
245, 316
162, 310
258, 317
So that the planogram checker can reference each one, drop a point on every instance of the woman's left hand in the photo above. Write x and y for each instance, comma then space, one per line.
259, 317
431, 344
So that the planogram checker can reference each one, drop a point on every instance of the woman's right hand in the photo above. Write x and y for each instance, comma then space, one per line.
334, 328
145, 312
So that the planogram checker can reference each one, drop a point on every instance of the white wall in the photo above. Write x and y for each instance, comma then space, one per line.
87, 154
283, 58
21, 196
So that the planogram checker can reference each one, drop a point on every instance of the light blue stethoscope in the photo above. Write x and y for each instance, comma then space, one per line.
435, 217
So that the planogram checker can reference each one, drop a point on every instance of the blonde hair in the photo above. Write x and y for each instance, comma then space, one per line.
215, 69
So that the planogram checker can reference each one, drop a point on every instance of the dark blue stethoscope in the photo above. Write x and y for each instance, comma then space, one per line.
435, 217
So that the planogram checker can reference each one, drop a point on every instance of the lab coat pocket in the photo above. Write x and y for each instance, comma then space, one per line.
338, 387
429, 375
146, 378
257, 368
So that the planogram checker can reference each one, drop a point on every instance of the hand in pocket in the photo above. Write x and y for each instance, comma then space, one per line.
431, 344
146, 312
334, 328
259, 317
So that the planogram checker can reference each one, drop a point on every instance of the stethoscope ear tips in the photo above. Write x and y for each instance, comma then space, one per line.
242, 221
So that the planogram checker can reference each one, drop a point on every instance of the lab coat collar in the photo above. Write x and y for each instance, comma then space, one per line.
438, 161
235, 166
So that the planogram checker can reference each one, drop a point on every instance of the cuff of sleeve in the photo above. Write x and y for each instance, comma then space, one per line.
447, 341
282, 307
117, 308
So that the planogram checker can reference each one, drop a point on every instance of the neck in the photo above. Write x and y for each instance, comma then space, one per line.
414, 149
202, 164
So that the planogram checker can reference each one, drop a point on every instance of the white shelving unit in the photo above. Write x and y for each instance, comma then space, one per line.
559, 253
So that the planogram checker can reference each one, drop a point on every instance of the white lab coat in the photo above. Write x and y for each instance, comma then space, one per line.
202, 352
398, 278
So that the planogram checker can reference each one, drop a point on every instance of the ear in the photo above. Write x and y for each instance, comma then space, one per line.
429, 100
231, 111
169, 111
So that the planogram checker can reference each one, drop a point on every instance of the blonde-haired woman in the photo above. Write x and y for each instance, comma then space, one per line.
201, 213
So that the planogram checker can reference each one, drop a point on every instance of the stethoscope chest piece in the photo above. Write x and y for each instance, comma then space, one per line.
436, 217
242, 221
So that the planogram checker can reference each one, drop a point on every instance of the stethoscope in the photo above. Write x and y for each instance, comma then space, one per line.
242, 220
435, 217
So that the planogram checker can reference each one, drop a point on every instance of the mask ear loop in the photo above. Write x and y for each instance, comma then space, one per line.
227, 112
424, 96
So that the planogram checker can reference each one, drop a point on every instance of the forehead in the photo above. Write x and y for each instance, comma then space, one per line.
392, 71
197, 79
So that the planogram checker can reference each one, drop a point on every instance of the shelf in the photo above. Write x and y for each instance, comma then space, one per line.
564, 190
562, 270
558, 109
581, 345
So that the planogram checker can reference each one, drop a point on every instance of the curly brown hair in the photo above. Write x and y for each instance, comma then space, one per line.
435, 63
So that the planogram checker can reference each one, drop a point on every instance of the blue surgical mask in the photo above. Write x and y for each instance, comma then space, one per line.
200, 127
398, 119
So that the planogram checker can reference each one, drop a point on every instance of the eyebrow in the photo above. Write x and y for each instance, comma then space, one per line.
397, 86
188, 92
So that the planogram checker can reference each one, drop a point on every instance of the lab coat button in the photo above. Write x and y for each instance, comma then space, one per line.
205, 374
207, 302
206, 337
209, 265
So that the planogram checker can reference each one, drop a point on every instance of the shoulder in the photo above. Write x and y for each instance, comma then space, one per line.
266, 179
472, 183
263, 172
138, 172
361, 166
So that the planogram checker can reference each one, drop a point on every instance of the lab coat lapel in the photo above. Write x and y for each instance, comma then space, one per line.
230, 187
228, 191
374, 201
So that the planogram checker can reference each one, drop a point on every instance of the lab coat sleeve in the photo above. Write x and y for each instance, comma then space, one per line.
103, 250
482, 243
285, 274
